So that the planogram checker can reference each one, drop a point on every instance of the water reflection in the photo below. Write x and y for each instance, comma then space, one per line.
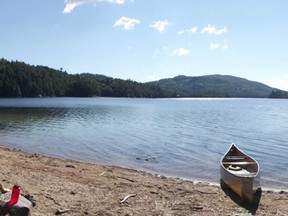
26, 118
185, 138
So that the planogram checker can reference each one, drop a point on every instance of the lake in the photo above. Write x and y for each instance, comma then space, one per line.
174, 137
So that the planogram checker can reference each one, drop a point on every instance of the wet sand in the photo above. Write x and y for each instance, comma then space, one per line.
66, 187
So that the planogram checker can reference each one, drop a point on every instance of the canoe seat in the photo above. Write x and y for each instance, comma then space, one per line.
238, 162
240, 171
235, 157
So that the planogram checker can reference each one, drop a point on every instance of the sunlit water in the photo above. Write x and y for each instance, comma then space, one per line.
176, 137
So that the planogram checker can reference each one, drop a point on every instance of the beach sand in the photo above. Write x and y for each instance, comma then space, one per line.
66, 187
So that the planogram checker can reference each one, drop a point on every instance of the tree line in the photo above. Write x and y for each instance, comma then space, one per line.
279, 94
18, 79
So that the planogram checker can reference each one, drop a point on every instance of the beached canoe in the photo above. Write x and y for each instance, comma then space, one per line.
240, 172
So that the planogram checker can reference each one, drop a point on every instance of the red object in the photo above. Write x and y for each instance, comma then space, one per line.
14, 196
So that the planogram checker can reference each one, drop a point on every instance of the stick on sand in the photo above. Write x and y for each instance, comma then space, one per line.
125, 198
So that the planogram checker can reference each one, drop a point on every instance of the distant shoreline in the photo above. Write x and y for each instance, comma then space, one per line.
42, 81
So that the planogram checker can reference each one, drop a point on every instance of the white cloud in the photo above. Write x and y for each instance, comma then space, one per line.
153, 78
213, 46
192, 30
160, 25
72, 4
126, 23
180, 52
114, 1
213, 30
225, 46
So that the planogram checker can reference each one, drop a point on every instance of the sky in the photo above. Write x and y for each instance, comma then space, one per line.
147, 40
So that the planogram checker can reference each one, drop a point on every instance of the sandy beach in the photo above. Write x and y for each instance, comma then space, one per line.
66, 187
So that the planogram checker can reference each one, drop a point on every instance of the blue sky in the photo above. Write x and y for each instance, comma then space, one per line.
146, 40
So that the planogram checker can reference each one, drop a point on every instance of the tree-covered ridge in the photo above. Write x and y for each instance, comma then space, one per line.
217, 86
18, 79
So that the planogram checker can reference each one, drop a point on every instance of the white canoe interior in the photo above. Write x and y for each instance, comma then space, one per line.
238, 166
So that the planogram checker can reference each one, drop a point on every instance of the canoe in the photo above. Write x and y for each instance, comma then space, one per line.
240, 172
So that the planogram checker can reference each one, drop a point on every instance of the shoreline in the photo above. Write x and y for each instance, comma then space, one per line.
158, 174
68, 187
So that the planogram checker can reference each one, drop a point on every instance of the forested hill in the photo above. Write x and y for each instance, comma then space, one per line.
217, 86
18, 79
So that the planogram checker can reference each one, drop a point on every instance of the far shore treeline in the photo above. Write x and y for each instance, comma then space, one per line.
18, 79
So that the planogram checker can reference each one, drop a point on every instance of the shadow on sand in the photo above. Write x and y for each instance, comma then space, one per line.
251, 207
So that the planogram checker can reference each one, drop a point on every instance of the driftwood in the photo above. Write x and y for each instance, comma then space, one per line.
59, 212
205, 192
126, 197
103, 173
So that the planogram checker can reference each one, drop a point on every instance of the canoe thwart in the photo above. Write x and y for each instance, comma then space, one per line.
235, 157
238, 163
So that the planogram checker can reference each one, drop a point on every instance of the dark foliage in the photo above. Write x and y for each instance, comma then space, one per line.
217, 86
18, 79
279, 94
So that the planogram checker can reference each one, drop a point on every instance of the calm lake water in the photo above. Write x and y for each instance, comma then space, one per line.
174, 137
